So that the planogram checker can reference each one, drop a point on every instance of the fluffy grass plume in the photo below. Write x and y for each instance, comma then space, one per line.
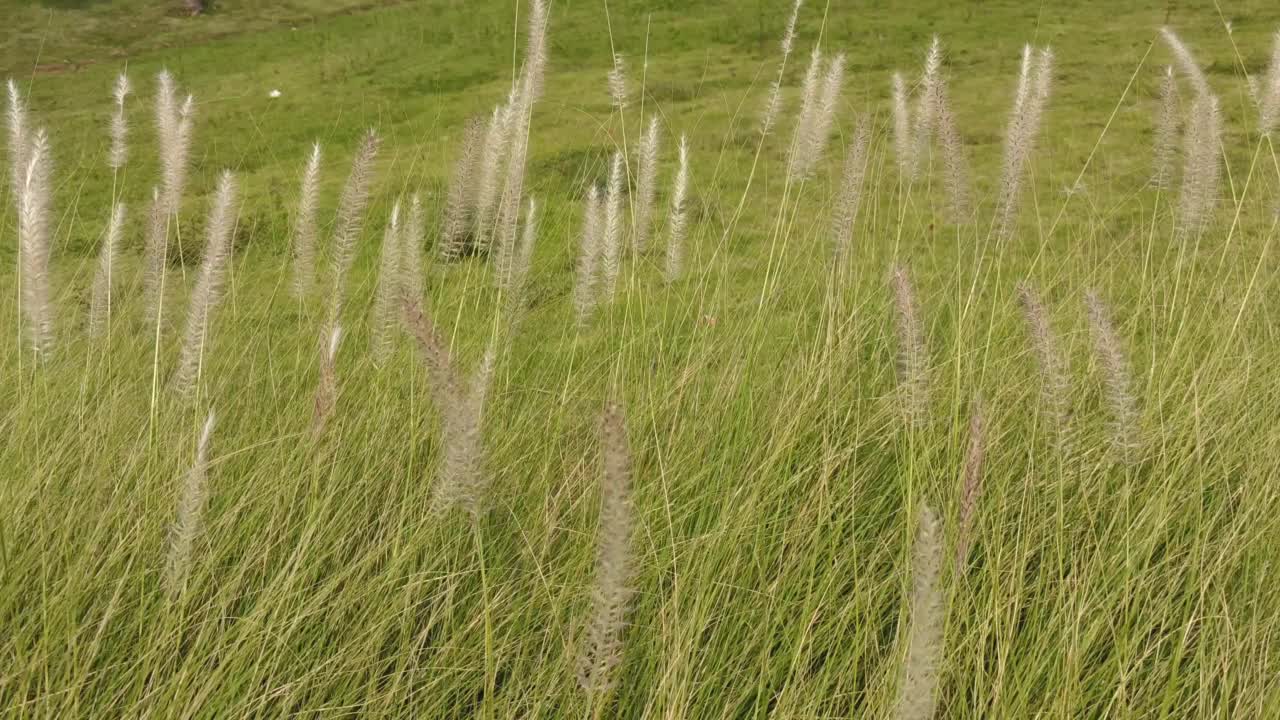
611, 254
818, 110
327, 389
305, 227
209, 284
617, 81
35, 197
646, 185
497, 137
441, 375
119, 153
387, 297
1034, 80
192, 498
350, 220
808, 106
104, 276
522, 261
173, 128
918, 680
1186, 62
16, 116
1166, 148
844, 214
154, 254
774, 101
913, 381
928, 99
1202, 166
971, 484
955, 165
904, 144
590, 243
411, 240
1117, 378
1055, 387
611, 592
1269, 93
678, 223
456, 228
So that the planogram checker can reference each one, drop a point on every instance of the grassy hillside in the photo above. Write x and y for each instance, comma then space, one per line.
776, 485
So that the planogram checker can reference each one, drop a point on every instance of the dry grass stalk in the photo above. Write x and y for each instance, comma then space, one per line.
305, 227
104, 276
603, 643
918, 683
209, 284
1117, 379
677, 225
192, 499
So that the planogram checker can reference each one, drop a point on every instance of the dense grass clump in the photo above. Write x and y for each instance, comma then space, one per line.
620, 366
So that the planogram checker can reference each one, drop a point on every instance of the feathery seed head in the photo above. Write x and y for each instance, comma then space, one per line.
646, 185
34, 197
584, 297
971, 484
918, 681
913, 383
1166, 131
104, 276
612, 253
1117, 378
207, 293
618, 82
677, 225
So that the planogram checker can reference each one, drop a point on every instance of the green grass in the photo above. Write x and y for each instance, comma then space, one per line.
775, 484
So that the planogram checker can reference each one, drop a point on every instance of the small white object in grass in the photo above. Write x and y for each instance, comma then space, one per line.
273, 94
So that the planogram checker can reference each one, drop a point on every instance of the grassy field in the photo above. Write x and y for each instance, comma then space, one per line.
776, 486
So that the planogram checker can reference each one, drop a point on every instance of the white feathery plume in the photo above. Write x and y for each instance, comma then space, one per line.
154, 256
612, 255
1202, 169
387, 297
913, 382
459, 207
104, 276
350, 220
327, 389
955, 166
411, 241
191, 505
918, 683
305, 226
677, 225
584, 288
1024, 123
1117, 379
817, 112
618, 82
611, 592
119, 124
1186, 62
845, 213
927, 103
209, 284
646, 186
17, 117
497, 137
1166, 131
1269, 102
904, 144
774, 102
34, 198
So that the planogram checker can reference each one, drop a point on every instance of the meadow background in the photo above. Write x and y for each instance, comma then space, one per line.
775, 484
